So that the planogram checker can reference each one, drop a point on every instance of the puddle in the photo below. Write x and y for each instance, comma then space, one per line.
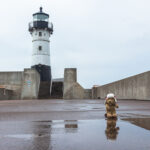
21, 136
141, 122
124, 134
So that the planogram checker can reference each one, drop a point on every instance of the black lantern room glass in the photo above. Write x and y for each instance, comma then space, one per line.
40, 17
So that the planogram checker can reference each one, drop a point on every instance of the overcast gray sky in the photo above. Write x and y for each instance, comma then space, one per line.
106, 40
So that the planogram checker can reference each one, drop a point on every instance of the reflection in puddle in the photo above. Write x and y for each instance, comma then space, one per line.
43, 131
71, 124
75, 135
22, 136
141, 122
111, 129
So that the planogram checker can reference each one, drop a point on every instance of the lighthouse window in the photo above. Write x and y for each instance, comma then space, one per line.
40, 48
40, 33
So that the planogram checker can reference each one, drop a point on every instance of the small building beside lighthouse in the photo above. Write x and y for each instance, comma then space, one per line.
41, 30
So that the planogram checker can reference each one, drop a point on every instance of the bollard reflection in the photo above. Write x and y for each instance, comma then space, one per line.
111, 129
71, 126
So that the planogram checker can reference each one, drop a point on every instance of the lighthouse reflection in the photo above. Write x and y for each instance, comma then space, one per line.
42, 140
111, 129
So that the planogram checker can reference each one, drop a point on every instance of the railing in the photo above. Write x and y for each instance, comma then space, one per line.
30, 25
40, 25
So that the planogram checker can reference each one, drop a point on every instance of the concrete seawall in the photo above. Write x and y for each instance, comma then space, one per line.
135, 87
19, 85
11, 81
30, 84
72, 89
6, 94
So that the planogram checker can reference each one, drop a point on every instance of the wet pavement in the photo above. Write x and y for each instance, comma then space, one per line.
73, 125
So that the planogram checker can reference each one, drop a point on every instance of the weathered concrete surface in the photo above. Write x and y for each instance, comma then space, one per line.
30, 84
70, 77
87, 94
75, 91
12, 81
94, 92
11, 78
6, 94
17, 86
135, 87
42, 110
72, 89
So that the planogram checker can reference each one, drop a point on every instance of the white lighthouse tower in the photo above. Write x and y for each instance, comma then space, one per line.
41, 30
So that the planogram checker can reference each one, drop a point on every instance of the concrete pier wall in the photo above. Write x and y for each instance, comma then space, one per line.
13, 85
30, 84
11, 81
11, 78
70, 77
87, 94
135, 87
6, 94
72, 89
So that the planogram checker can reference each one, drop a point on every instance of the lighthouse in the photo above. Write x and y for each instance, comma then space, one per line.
41, 30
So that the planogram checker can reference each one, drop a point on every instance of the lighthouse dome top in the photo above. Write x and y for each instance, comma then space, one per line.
40, 16
41, 21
